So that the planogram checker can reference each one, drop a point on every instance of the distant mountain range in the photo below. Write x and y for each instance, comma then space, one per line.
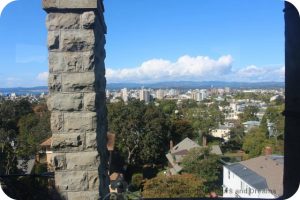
162, 85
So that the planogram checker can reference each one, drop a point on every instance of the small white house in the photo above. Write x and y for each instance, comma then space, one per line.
260, 177
221, 132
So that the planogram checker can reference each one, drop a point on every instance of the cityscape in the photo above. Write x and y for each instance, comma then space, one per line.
109, 100
238, 131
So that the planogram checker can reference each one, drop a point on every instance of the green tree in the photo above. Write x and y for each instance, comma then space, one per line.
236, 139
168, 106
142, 131
205, 165
10, 113
249, 114
181, 129
274, 115
136, 181
254, 142
21, 131
177, 186
204, 118
155, 136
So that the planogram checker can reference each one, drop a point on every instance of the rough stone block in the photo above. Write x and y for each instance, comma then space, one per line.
53, 40
90, 140
58, 161
89, 101
93, 179
88, 19
71, 61
66, 142
71, 180
55, 62
86, 195
83, 161
49, 4
78, 82
54, 82
73, 4
65, 102
56, 122
80, 121
88, 61
77, 40
56, 21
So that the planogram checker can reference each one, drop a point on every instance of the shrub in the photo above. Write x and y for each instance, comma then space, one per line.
136, 181
177, 186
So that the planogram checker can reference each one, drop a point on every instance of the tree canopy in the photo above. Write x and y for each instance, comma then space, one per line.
204, 164
142, 131
177, 186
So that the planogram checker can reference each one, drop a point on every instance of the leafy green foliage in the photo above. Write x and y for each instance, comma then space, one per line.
204, 117
274, 115
168, 106
236, 139
205, 165
22, 128
181, 129
177, 186
249, 114
136, 180
142, 131
254, 142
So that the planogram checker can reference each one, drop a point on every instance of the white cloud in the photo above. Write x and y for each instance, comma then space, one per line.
43, 76
253, 73
185, 68
199, 68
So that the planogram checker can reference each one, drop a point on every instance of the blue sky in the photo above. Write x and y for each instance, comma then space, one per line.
158, 40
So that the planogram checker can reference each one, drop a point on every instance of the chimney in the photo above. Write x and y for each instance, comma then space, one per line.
171, 144
204, 141
37, 157
268, 151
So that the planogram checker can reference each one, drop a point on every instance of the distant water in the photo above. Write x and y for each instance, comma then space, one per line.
24, 91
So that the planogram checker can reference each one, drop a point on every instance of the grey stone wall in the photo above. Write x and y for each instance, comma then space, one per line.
76, 39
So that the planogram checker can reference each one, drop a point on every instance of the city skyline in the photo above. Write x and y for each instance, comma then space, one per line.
194, 41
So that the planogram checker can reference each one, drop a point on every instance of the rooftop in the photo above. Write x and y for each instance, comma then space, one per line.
263, 172
269, 167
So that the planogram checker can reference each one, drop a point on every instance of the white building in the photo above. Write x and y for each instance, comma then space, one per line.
232, 116
199, 95
160, 94
144, 95
260, 177
221, 132
13, 96
124, 94
107, 94
173, 92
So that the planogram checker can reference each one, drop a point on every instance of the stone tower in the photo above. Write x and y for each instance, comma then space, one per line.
76, 39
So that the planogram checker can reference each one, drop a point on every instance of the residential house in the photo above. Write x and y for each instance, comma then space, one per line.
260, 177
179, 151
222, 131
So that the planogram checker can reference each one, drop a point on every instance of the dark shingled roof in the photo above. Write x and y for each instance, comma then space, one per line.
249, 176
